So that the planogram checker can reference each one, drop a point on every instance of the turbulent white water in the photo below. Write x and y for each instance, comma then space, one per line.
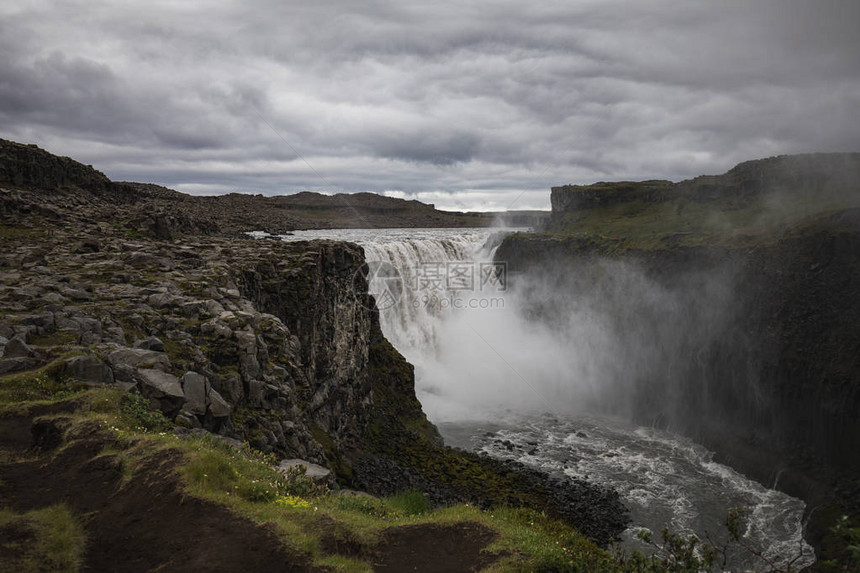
495, 381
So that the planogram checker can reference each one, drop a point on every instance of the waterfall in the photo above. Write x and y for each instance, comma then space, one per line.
576, 342
417, 279
441, 299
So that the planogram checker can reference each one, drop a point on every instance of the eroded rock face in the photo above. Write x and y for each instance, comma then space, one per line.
761, 361
331, 322
261, 341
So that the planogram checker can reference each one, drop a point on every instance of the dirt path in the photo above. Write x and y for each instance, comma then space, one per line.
434, 549
146, 523
142, 525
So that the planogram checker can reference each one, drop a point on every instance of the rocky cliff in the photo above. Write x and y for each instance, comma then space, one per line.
736, 301
259, 341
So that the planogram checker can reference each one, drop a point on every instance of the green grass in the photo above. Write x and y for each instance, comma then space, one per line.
303, 514
306, 518
43, 384
410, 503
49, 539
684, 221
59, 338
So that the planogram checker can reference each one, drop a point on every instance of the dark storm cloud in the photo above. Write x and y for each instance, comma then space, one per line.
464, 105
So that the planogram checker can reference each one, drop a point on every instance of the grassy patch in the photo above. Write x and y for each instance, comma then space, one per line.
342, 564
682, 220
340, 531
139, 414
409, 503
48, 539
44, 384
59, 338
305, 516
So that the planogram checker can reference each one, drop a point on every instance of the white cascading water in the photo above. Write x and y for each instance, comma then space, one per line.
414, 319
497, 382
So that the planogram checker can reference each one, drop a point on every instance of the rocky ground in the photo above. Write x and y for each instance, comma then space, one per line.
170, 321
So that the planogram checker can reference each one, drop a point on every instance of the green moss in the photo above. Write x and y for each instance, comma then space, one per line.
179, 355
58, 338
306, 518
334, 457
839, 546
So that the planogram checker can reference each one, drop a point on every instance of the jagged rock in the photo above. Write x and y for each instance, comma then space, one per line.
187, 420
76, 294
163, 390
44, 321
246, 341
89, 369
213, 308
256, 393
55, 298
191, 308
218, 406
195, 387
162, 300
9, 365
318, 473
17, 348
215, 329
124, 373
35, 257
231, 388
249, 366
150, 343
86, 246
145, 261
139, 358
113, 334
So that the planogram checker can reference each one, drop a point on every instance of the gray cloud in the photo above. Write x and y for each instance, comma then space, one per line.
465, 105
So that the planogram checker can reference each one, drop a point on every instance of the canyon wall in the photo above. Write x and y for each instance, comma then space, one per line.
742, 335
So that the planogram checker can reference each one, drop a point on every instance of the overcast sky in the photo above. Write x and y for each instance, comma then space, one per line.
469, 105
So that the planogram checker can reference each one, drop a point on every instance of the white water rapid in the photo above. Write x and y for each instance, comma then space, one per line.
495, 380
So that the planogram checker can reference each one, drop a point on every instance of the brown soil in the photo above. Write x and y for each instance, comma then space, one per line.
147, 523
141, 525
435, 549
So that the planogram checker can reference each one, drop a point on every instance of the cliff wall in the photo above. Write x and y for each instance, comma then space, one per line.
733, 303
